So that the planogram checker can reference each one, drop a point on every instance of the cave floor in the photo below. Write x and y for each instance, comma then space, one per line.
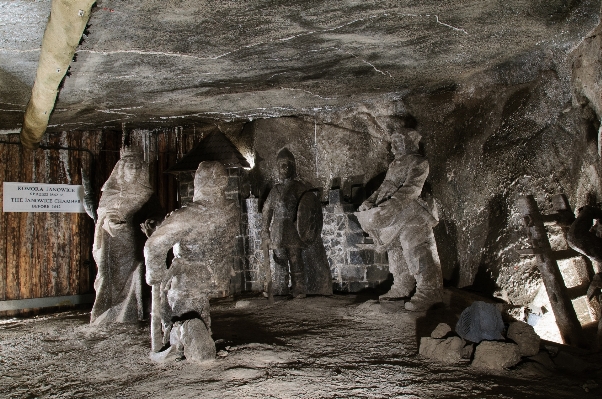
345, 346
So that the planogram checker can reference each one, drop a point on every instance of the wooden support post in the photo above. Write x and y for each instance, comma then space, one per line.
566, 318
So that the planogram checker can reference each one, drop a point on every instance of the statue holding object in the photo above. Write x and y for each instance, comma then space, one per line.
402, 224
292, 226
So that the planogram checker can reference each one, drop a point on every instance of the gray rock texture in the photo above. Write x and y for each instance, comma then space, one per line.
525, 337
496, 355
480, 321
145, 61
440, 331
442, 350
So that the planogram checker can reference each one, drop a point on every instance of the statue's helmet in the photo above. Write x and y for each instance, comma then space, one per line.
285, 155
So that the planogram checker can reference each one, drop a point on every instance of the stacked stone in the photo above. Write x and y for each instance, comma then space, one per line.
493, 350
353, 266
255, 275
186, 187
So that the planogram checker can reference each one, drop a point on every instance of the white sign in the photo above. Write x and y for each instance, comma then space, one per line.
40, 197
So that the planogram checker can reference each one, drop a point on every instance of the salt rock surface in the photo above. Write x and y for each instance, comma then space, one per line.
526, 338
197, 341
441, 330
447, 350
496, 355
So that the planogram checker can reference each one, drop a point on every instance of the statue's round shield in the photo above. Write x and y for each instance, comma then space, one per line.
309, 217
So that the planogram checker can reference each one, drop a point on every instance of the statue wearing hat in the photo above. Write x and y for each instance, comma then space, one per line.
292, 220
401, 223
127, 200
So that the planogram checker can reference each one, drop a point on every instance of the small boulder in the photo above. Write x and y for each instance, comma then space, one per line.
443, 350
467, 351
496, 355
544, 359
440, 331
525, 336
242, 304
197, 341
480, 322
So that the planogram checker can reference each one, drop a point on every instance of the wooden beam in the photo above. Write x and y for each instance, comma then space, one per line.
67, 21
562, 307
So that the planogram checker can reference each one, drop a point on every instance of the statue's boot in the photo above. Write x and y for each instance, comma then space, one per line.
424, 299
298, 288
403, 281
400, 290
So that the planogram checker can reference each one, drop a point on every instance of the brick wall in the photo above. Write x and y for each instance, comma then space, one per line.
353, 264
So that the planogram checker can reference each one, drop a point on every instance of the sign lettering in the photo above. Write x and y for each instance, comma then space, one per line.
41, 197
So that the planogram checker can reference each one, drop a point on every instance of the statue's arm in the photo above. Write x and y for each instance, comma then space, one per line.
383, 192
412, 186
155, 252
152, 215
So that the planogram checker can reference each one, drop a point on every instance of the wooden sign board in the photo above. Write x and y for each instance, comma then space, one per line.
41, 197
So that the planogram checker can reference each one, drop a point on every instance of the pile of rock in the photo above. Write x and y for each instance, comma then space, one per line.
479, 337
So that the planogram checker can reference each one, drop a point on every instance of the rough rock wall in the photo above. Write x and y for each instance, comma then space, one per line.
508, 132
326, 155
587, 71
513, 130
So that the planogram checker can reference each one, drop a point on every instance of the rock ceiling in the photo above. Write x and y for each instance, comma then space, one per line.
180, 61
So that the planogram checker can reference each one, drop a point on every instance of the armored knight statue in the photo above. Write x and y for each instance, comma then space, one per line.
203, 238
292, 226
127, 200
401, 223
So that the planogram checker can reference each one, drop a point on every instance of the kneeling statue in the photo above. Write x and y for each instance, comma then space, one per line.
203, 238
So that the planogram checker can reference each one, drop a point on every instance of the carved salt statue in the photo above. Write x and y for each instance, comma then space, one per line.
127, 200
203, 238
292, 226
402, 224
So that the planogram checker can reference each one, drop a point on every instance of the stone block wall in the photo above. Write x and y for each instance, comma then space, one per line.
353, 264
185, 188
255, 275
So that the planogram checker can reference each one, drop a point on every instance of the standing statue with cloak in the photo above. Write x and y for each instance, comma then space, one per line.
127, 201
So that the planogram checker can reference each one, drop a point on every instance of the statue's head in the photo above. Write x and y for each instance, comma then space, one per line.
130, 173
210, 180
405, 142
131, 165
285, 162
